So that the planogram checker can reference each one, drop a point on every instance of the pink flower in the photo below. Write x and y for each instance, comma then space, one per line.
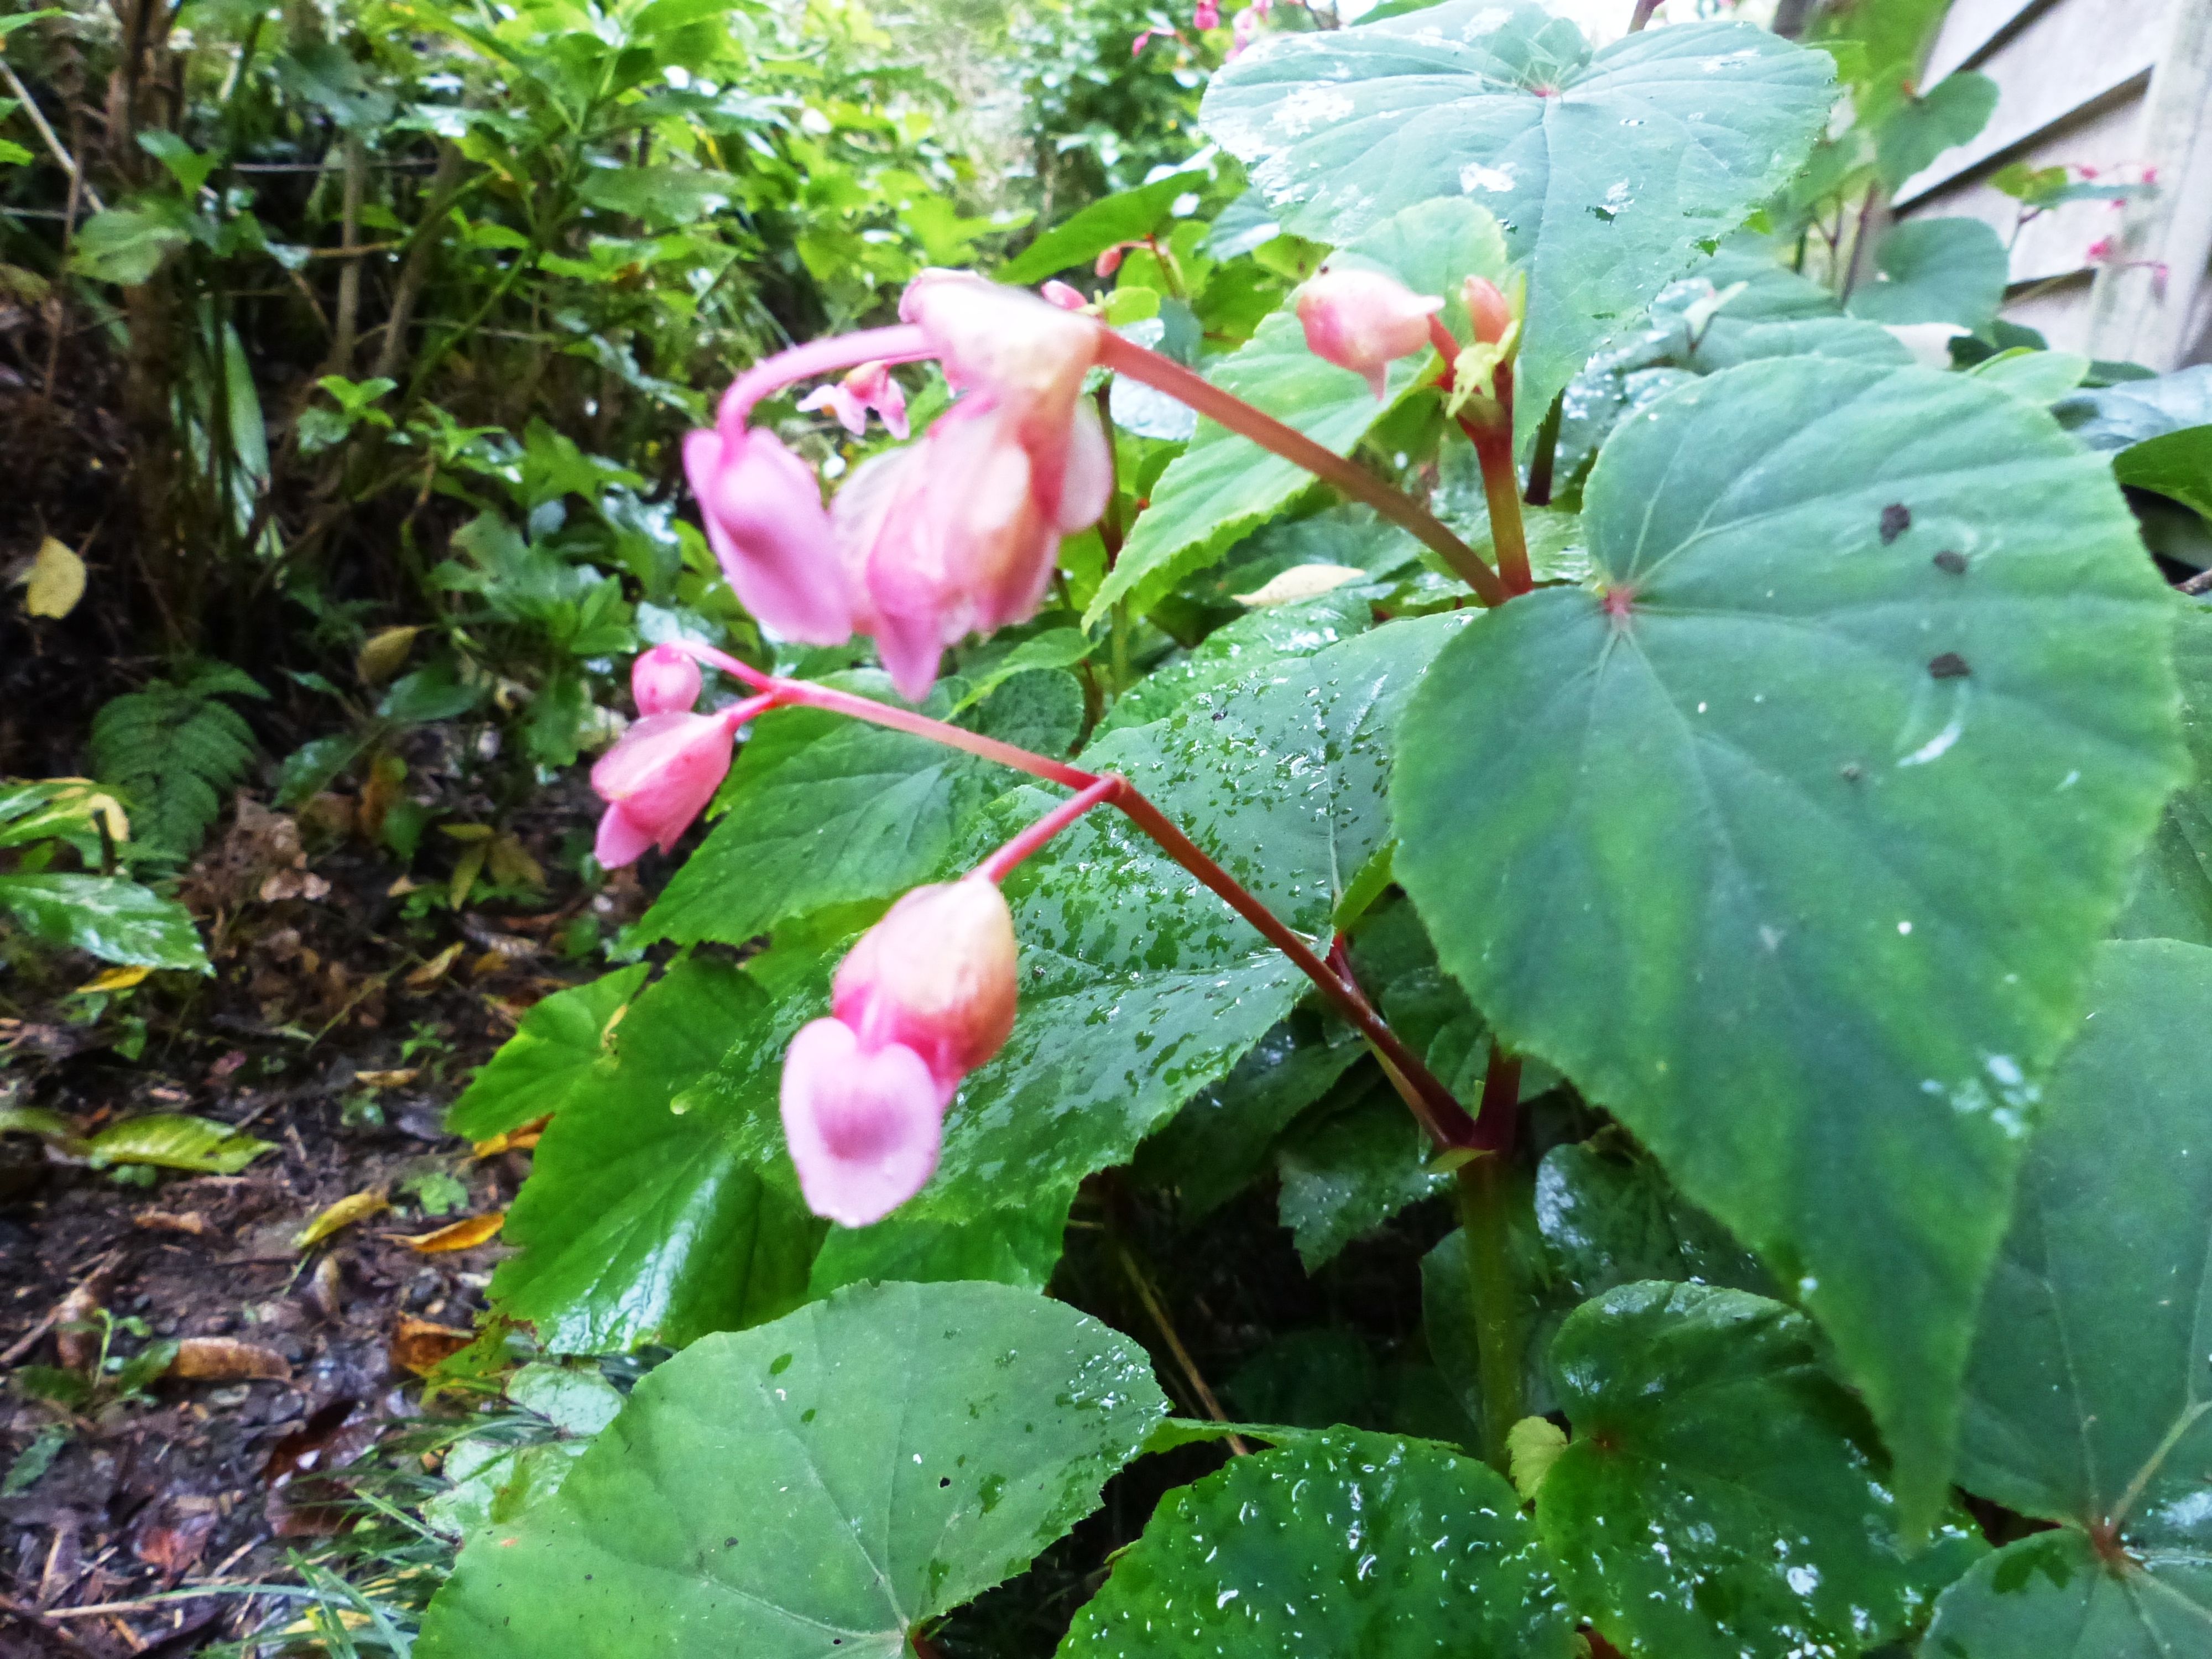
1363, 320
768, 527
2099, 250
864, 1126
926, 996
1057, 293
1110, 261
869, 386
663, 681
1207, 15
1246, 26
656, 780
937, 975
1488, 309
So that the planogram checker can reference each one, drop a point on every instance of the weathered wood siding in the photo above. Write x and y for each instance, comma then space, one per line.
2117, 85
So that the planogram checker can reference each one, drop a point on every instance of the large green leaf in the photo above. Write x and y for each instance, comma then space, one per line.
113, 919
1129, 216
816, 1487
1788, 845
1224, 484
2116, 417
1935, 271
1349, 1545
1139, 987
823, 809
659, 1205
2172, 895
552, 1057
1718, 1500
2090, 1398
1607, 170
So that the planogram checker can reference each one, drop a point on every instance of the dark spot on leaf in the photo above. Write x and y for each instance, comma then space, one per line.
729, 1543
944, 1480
1948, 666
1852, 771
1896, 519
1951, 560
780, 1364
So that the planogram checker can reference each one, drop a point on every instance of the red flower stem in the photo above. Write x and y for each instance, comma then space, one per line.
1001, 864
1492, 437
904, 343
1472, 1138
1446, 1120
1163, 374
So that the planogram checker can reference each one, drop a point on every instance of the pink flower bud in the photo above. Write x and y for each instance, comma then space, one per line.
869, 386
1058, 293
937, 977
1362, 321
1110, 261
1488, 309
663, 681
864, 1124
656, 780
1206, 14
766, 523
2098, 250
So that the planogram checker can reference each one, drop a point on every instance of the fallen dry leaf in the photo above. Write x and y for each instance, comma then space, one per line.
397, 1080
383, 653
519, 1139
56, 582
1305, 581
435, 970
354, 1206
166, 1221
224, 1360
463, 1235
74, 1331
172, 1534
418, 1345
115, 979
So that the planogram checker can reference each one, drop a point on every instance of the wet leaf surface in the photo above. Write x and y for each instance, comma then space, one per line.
550, 1058
1344, 1543
2090, 1398
1787, 846
1719, 1500
1507, 106
817, 1485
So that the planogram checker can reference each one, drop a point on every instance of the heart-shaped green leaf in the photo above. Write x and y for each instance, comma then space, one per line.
659, 1205
1139, 987
1609, 1220
1607, 170
815, 1488
2090, 1398
1224, 484
549, 1060
1344, 1544
1790, 843
1718, 1500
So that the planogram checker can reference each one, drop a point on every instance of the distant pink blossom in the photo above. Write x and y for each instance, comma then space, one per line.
870, 386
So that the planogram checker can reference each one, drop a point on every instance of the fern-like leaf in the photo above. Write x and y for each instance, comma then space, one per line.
173, 752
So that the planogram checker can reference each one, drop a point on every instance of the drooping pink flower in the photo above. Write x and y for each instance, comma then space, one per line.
770, 531
937, 975
864, 1124
1363, 320
925, 997
663, 681
657, 779
869, 386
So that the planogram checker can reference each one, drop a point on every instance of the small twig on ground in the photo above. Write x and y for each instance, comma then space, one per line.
23, 1344
44, 1624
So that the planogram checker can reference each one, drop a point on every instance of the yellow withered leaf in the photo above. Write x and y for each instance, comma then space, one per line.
383, 653
115, 979
57, 580
355, 1207
463, 1235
